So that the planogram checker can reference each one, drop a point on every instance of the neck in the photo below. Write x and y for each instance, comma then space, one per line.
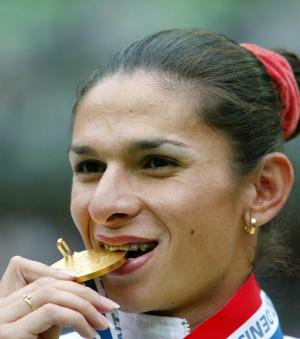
218, 295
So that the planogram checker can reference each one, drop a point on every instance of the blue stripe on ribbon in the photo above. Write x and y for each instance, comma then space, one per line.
106, 334
278, 334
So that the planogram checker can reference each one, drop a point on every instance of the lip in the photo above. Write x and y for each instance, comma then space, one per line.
122, 240
132, 264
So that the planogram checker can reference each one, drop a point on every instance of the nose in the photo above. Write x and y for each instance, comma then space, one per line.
114, 201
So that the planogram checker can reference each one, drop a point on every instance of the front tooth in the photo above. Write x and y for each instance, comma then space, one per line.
110, 247
129, 247
143, 247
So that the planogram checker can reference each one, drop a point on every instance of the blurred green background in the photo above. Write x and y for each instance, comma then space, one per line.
46, 48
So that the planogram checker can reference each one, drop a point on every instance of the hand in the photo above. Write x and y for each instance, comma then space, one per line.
57, 301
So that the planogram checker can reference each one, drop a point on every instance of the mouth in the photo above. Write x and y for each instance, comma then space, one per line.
139, 251
133, 250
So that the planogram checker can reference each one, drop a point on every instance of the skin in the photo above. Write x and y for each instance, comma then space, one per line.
182, 194
193, 205
57, 300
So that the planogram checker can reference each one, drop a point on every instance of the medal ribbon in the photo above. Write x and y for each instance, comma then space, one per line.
248, 314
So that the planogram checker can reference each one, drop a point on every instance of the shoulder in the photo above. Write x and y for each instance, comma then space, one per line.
71, 335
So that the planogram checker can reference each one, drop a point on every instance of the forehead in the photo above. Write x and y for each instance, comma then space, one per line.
130, 106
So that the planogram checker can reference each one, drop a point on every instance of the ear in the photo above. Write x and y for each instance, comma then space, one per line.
271, 185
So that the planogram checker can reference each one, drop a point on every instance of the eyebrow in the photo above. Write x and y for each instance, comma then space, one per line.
132, 147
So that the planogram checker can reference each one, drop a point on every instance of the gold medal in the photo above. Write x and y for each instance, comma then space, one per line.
88, 264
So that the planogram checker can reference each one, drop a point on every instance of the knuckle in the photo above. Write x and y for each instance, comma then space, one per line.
44, 281
64, 283
86, 306
16, 260
49, 310
78, 318
44, 295
87, 292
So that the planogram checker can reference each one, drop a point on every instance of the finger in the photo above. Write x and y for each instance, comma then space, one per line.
21, 307
50, 315
102, 303
14, 311
41, 283
83, 303
82, 306
21, 272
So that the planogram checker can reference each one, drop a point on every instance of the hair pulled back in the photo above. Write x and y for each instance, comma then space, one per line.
237, 95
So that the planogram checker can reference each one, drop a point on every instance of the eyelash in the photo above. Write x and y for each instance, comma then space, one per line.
167, 162
92, 167
80, 168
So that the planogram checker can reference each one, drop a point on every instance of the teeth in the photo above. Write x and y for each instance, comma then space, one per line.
143, 247
129, 247
132, 248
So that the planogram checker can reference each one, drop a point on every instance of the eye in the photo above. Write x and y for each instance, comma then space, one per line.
159, 163
89, 167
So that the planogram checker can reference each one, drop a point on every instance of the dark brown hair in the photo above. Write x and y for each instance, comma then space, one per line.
240, 98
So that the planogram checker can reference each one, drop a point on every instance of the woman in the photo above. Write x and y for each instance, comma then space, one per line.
176, 157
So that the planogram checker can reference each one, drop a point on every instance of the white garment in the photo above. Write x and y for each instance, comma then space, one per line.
144, 326
74, 335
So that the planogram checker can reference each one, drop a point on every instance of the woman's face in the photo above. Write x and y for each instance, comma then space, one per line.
147, 170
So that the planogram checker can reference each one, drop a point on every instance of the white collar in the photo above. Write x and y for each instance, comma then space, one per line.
145, 326
142, 326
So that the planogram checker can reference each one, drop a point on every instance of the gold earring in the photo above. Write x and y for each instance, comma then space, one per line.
251, 227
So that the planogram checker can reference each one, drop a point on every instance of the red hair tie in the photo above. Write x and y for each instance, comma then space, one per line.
283, 78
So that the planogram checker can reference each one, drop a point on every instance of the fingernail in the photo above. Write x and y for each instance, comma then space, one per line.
110, 324
66, 273
110, 303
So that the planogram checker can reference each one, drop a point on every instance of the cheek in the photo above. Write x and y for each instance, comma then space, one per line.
193, 198
202, 212
79, 211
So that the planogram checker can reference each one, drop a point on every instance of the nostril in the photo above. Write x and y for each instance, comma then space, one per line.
117, 216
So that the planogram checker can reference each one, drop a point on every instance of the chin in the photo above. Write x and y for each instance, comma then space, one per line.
132, 306
130, 299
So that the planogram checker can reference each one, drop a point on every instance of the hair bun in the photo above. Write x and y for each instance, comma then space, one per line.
282, 75
294, 62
